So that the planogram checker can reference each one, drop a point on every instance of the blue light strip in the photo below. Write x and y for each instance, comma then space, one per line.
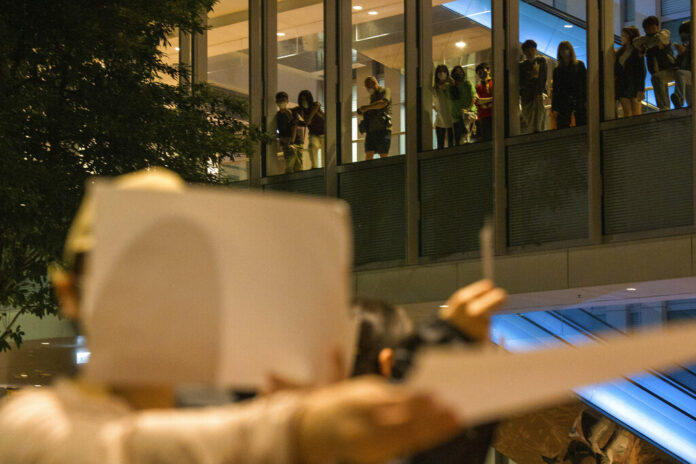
629, 404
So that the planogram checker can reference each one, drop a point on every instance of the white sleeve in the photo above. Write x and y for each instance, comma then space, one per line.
259, 431
40, 428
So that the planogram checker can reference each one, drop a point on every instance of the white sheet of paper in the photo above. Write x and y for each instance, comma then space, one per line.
488, 384
217, 286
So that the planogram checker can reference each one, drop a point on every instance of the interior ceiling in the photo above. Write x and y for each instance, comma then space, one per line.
304, 18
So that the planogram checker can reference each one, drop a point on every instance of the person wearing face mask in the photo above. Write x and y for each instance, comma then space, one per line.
569, 88
484, 101
444, 125
533, 73
313, 118
376, 119
463, 96
629, 74
290, 136
657, 47
683, 89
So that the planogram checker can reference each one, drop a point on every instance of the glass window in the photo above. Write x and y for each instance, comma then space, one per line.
228, 65
552, 69
652, 66
379, 96
299, 120
460, 90
170, 51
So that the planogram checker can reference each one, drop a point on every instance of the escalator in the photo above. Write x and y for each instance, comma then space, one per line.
657, 406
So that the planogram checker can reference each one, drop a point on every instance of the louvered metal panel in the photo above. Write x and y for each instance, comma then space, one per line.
377, 200
305, 186
670, 7
648, 177
547, 191
456, 193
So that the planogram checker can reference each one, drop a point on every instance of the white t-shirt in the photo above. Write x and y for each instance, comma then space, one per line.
66, 425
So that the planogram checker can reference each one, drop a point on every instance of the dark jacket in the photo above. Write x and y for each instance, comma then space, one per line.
471, 445
533, 75
629, 77
569, 87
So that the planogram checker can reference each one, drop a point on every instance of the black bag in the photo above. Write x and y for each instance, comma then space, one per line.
362, 126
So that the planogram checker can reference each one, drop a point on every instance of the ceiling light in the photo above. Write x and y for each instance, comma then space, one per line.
280, 34
24, 376
357, 8
630, 289
444, 306
460, 44
45, 343
177, 48
372, 13
37, 385
568, 26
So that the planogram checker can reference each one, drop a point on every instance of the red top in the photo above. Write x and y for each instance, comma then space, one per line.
484, 91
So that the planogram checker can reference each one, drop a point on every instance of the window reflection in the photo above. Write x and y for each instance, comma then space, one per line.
652, 66
458, 99
552, 74
228, 66
379, 98
299, 120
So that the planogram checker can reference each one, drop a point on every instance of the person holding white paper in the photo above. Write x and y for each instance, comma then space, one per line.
77, 421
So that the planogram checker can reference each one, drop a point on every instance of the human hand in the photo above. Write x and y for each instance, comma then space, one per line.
368, 420
469, 309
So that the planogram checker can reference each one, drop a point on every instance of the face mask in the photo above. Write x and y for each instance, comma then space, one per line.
442, 76
305, 105
371, 90
282, 106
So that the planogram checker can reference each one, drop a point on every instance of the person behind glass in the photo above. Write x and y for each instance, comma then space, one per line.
661, 62
629, 74
484, 101
377, 119
533, 74
290, 136
463, 96
442, 86
683, 88
312, 117
569, 88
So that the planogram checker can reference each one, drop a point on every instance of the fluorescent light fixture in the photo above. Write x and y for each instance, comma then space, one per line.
280, 34
177, 48
372, 13
24, 376
568, 26
45, 343
460, 44
357, 7
371, 37
444, 306
37, 385
631, 289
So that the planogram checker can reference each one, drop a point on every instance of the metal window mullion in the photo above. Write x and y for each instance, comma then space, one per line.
199, 54
607, 38
256, 86
594, 175
512, 26
501, 47
270, 73
413, 10
426, 76
693, 116
345, 82
331, 95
